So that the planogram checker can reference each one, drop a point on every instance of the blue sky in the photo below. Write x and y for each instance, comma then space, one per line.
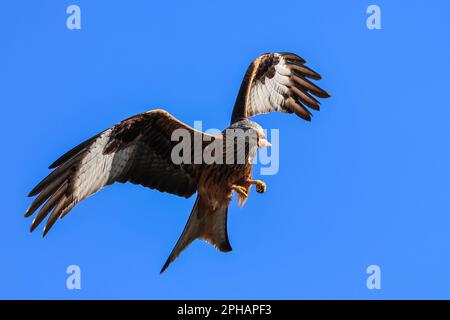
366, 182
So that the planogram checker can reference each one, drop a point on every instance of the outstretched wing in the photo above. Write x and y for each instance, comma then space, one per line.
278, 82
136, 150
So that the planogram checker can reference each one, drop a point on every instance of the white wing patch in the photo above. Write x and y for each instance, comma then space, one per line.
282, 69
97, 169
269, 96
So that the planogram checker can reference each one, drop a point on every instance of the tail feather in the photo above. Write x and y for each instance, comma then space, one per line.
204, 223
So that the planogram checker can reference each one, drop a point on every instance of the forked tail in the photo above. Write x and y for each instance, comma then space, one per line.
204, 223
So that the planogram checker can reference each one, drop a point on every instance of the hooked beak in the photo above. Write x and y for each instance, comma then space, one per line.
263, 143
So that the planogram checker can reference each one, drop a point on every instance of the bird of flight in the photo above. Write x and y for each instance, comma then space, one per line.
139, 150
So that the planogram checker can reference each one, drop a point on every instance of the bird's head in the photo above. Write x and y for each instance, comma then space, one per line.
250, 127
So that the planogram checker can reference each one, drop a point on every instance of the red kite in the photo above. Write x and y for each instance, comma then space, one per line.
139, 150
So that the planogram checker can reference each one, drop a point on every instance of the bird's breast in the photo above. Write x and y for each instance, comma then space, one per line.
216, 181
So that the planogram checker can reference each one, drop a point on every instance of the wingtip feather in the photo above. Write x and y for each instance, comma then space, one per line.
34, 225
46, 230
28, 213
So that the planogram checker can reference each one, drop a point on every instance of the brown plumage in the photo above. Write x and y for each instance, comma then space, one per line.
139, 150
278, 82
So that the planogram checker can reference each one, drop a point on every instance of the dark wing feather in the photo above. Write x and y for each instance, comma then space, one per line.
137, 150
278, 82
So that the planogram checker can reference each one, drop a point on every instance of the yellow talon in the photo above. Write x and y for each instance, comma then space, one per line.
241, 190
261, 187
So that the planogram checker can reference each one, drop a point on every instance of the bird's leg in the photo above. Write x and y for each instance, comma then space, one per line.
240, 190
260, 185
